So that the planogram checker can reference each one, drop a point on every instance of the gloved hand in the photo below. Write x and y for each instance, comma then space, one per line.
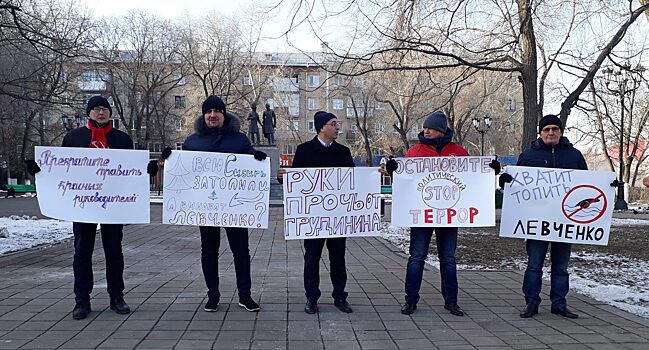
152, 168
32, 167
495, 165
391, 166
165, 153
504, 178
616, 183
259, 155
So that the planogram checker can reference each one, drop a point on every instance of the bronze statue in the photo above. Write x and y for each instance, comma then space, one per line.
253, 129
269, 124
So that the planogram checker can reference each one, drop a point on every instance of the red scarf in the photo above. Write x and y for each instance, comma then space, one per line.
98, 138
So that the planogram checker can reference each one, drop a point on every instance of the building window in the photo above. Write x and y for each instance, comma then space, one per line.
115, 123
350, 112
289, 149
155, 147
179, 125
378, 127
179, 145
313, 80
312, 104
338, 81
311, 127
337, 103
294, 105
247, 80
294, 125
271, 103
91, 75
181, 80
179, 101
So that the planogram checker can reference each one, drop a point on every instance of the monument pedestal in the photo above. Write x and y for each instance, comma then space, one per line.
276, 191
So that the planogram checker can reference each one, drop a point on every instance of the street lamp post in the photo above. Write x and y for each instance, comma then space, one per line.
67, 122
482, 130
617, 82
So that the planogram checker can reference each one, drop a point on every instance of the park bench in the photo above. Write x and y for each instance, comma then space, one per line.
23, 188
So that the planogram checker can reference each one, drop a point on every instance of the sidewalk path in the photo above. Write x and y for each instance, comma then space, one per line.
165, 288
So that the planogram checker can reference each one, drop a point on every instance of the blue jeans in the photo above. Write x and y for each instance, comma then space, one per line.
84, 245
446, 239
559, 285
210, 243
337, 270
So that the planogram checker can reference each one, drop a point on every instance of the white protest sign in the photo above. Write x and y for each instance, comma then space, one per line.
93, 185
332, 202
216, 189
559, 205
443, 192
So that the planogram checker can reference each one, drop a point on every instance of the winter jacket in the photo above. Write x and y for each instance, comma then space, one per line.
226, 139
312, 154
562, 156
439, 147
80, 137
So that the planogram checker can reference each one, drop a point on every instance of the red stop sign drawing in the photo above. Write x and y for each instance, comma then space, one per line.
584, 204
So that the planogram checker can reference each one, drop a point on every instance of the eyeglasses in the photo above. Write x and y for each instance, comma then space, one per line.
100, 109
551, 128
334, 124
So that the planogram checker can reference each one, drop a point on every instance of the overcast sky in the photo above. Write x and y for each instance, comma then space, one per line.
274, 25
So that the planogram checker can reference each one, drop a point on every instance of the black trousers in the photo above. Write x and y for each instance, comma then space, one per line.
84, 245
210, 244
337, 270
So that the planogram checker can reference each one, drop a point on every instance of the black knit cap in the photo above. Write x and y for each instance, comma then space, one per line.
320, 118
550, 119
213, 102
98, 101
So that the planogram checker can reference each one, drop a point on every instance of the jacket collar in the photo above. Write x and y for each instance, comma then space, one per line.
231, 125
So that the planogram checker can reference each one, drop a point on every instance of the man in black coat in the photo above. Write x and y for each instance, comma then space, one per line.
99, 133
216, 130
324, 151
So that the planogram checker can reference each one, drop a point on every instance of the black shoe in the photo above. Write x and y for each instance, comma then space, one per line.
343, 306
454, 309
311, 307
211, 305
248, 304
563, 311
120, 306
408, 308
529, 310
80, 311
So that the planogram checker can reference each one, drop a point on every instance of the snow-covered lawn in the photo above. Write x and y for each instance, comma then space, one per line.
25, 232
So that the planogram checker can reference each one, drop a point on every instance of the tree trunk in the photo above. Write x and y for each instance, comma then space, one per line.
529, 75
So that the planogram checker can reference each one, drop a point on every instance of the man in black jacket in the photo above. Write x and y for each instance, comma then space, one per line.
550, 150
323, 151
99, 133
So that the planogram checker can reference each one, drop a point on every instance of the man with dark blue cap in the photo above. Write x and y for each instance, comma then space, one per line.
323, 151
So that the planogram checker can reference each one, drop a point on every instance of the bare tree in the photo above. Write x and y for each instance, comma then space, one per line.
492, 35
141, 54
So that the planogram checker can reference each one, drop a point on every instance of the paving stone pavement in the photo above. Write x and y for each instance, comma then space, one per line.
165, 289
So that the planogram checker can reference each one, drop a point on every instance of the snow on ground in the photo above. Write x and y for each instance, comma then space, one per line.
625, 286
25, 232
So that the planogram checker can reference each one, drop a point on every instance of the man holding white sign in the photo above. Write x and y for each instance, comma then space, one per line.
550, 150
323, 151
216, 130
440, 191
98, 133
